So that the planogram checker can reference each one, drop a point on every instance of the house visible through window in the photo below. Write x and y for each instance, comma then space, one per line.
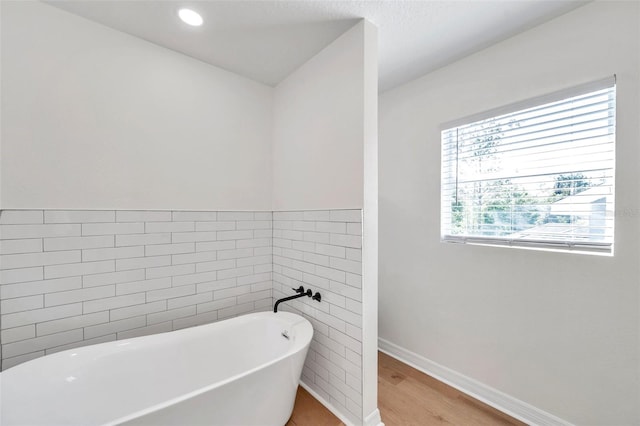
538, 174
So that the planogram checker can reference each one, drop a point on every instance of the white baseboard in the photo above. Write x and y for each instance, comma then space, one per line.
490, 396
328, 405
373, 419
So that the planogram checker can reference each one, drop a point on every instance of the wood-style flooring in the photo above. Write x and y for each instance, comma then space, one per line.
408, 397
309, 412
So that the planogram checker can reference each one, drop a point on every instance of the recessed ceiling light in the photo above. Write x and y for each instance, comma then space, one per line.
190, 17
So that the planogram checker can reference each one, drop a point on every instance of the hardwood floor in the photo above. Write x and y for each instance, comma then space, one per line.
309, 412
408, 397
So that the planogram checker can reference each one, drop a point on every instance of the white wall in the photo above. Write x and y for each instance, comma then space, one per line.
370, 230
318, 130
558, 331
94, 118
325, 130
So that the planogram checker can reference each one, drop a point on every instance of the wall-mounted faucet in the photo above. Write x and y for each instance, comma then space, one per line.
301, 293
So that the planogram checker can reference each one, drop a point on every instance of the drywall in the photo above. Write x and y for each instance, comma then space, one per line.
325, 130
98, 121
558, 331
318, 130
93, 118
370, 230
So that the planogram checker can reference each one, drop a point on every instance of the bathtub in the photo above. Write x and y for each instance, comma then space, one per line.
241, 371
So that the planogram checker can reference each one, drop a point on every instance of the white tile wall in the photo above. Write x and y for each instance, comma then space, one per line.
71, 278
322, 250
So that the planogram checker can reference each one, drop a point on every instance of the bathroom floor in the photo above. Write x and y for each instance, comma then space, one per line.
407, 397
309, 412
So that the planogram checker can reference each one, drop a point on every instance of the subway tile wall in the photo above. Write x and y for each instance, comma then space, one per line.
73, 278
322, 250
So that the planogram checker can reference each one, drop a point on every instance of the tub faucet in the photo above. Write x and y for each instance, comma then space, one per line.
301, 293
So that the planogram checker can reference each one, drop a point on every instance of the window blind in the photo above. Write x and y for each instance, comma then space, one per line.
534, 175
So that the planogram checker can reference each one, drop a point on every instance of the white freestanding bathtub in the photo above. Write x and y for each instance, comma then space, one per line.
242, 371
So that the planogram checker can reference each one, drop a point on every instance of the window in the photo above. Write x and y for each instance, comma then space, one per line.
536, 174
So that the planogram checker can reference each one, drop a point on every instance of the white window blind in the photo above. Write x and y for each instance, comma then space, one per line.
537, 174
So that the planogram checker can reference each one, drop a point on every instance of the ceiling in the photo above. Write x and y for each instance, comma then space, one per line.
266, 40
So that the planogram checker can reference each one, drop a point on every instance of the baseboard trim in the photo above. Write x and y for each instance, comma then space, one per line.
490, 396
373, 419
328, 405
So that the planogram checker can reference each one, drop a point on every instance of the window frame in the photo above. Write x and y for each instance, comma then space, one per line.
591, 247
